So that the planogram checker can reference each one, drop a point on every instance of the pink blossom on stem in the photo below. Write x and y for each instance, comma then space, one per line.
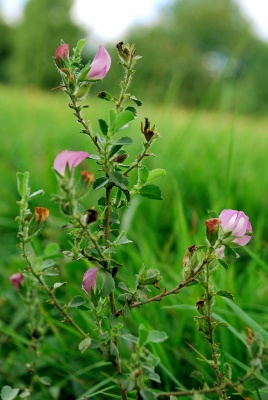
100, 65
16, 280
72, 158
61, 52
89, 279
238, 224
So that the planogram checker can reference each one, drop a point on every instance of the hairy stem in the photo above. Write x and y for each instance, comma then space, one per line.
50, 293
85, 124
213, 345
206, 390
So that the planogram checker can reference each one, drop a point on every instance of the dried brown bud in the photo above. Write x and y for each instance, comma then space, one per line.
88, 177
212, 225
41, 214
92, 216
147, 131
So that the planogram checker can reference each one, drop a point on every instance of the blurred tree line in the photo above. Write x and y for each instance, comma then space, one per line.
197, 53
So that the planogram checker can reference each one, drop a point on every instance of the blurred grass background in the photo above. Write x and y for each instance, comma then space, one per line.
215, 158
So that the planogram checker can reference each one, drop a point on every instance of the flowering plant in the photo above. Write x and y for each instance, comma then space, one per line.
95, 237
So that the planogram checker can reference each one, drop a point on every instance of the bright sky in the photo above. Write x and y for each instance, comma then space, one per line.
108, 19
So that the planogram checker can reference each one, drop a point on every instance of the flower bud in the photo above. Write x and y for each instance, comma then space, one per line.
82, 91
17, 280
89, 279
61, 53
212, 230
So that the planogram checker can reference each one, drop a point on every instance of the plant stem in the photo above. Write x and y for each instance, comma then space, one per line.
81, 120
50, 293
176, 290
213, 345
216, 389
125, 83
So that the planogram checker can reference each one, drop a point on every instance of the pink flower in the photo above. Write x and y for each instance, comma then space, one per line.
238, 224
61, 52
16, 280
100, 65
72, 158
89, 279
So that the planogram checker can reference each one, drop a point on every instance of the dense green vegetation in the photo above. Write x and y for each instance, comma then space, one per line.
213, 161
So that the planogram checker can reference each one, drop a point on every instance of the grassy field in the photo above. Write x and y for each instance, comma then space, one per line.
213, 161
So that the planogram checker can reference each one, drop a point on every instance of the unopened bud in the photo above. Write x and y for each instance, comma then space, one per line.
212, 230
82, 91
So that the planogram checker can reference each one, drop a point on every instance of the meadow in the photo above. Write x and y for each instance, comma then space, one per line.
214, 160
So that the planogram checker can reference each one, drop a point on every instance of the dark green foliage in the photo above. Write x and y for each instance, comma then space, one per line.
36, 38
201, 53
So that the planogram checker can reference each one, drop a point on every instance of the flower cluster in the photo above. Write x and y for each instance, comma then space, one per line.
99, 66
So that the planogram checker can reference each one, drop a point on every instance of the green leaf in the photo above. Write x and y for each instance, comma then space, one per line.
51, 249
143, 335
108, 284
58, 284
124, 240
147, 394
76, 301
156, 173
224, 293
102, 201
130, 338
121, 120
112, 117
151, 191
114, 218
138, 102
84, 344
114, 150
132, 109
83, 73
223, 263
103, 126
105, 96
25, 393
143, 174
23, 183
100, 182
36, 194
119, 180
45, 380
79, 47
7, 393
153, 376
156, 337
153, 360
123, 140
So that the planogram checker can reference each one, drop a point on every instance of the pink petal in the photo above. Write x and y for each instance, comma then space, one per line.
89, 279
72, 158
225, 217
16, 280
100, 65
238, 224
62, 50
